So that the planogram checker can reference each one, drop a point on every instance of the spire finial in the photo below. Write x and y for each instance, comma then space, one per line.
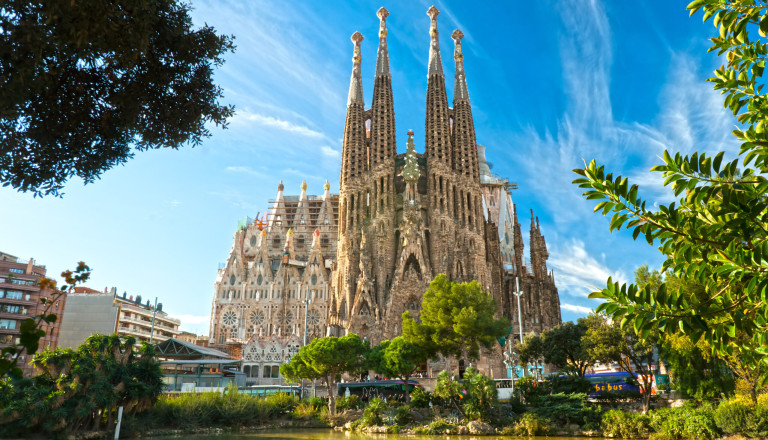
280, 187
382, 57
303, 185
327, 186
460, 91
356, 83
435, 64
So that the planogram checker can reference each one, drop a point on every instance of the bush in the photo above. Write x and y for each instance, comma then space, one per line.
740, 417
349, 402
420, 398
284, 402
402, 415
528, 390
624, 424
564, 409
374, 413
684, 423
437, 427
570, 384
531, 424
310, 408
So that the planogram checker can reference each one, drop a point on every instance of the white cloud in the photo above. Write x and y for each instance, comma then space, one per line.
244, 170
244, 116
577, 272
193, 323
577, 309
329, 152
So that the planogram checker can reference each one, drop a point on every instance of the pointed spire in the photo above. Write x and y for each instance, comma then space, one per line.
356, 82
303, 188
382, 58
435, 63
280, 187
327, 186
460, 91
316, 238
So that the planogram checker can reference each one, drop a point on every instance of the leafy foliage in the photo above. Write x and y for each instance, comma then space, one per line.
531, 424
564, 409
625, 424
326, 358
715, 234
456, 320
742, 417
474, 397
686, 422
30, 331
79, 389
398, 358
84, 84
373, 415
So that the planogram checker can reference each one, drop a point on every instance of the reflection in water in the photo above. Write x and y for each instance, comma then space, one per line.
328, 434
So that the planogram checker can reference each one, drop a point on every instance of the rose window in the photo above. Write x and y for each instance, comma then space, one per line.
256, 318
313, 318
288, 318
229, 319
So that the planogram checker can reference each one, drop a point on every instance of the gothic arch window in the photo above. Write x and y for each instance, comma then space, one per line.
412, 263
365, 310
253, 240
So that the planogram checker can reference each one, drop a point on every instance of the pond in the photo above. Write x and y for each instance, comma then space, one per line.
328, 434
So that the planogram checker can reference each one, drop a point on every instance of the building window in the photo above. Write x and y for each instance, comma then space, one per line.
12, 294
14, 270
7, 324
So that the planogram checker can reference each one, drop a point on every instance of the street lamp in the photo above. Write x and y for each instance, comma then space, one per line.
518, 293
307, 301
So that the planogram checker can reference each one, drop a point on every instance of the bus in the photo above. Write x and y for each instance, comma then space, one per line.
385, 389
266, 390
612, 382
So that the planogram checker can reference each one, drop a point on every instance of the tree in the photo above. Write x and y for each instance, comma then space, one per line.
456, 319
609, 343
531, 350
716, 233
79, 389
562, 346
85, 84
398, 358
327, 359
30, 330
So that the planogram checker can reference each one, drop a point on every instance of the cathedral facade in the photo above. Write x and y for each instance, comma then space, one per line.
354, 262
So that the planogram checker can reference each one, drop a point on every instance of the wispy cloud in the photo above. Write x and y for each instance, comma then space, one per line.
269, 121
245, 170
577, 272
575, 308
329, 152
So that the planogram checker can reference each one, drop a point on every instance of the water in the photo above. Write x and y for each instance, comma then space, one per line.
328, 434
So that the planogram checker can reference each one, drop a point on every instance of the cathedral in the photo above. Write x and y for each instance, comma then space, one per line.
356, 260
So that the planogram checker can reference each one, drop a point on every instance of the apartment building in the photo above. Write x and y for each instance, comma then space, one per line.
20, 296
90, 311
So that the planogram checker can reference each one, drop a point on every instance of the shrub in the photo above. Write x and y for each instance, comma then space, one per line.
624, 424
374, 413
684, 423
563, 409
284, 402
437, 427
310, 408
348, 402
402, 415
530, 391
420, 398
570, 384
739, 417
531, 424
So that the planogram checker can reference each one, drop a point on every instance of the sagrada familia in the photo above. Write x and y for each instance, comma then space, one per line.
354, 262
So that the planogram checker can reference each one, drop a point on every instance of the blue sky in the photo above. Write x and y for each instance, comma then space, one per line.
552, 83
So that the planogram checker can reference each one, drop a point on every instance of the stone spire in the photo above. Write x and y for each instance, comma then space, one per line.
353, 156
356, 82
435, 63
465, 157
383, 145
437, 143
460, 91
382, 58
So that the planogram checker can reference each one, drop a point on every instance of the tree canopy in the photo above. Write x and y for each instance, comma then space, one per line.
79, 389
325, 359
457, 319
398, 358
85, 84
715, 233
